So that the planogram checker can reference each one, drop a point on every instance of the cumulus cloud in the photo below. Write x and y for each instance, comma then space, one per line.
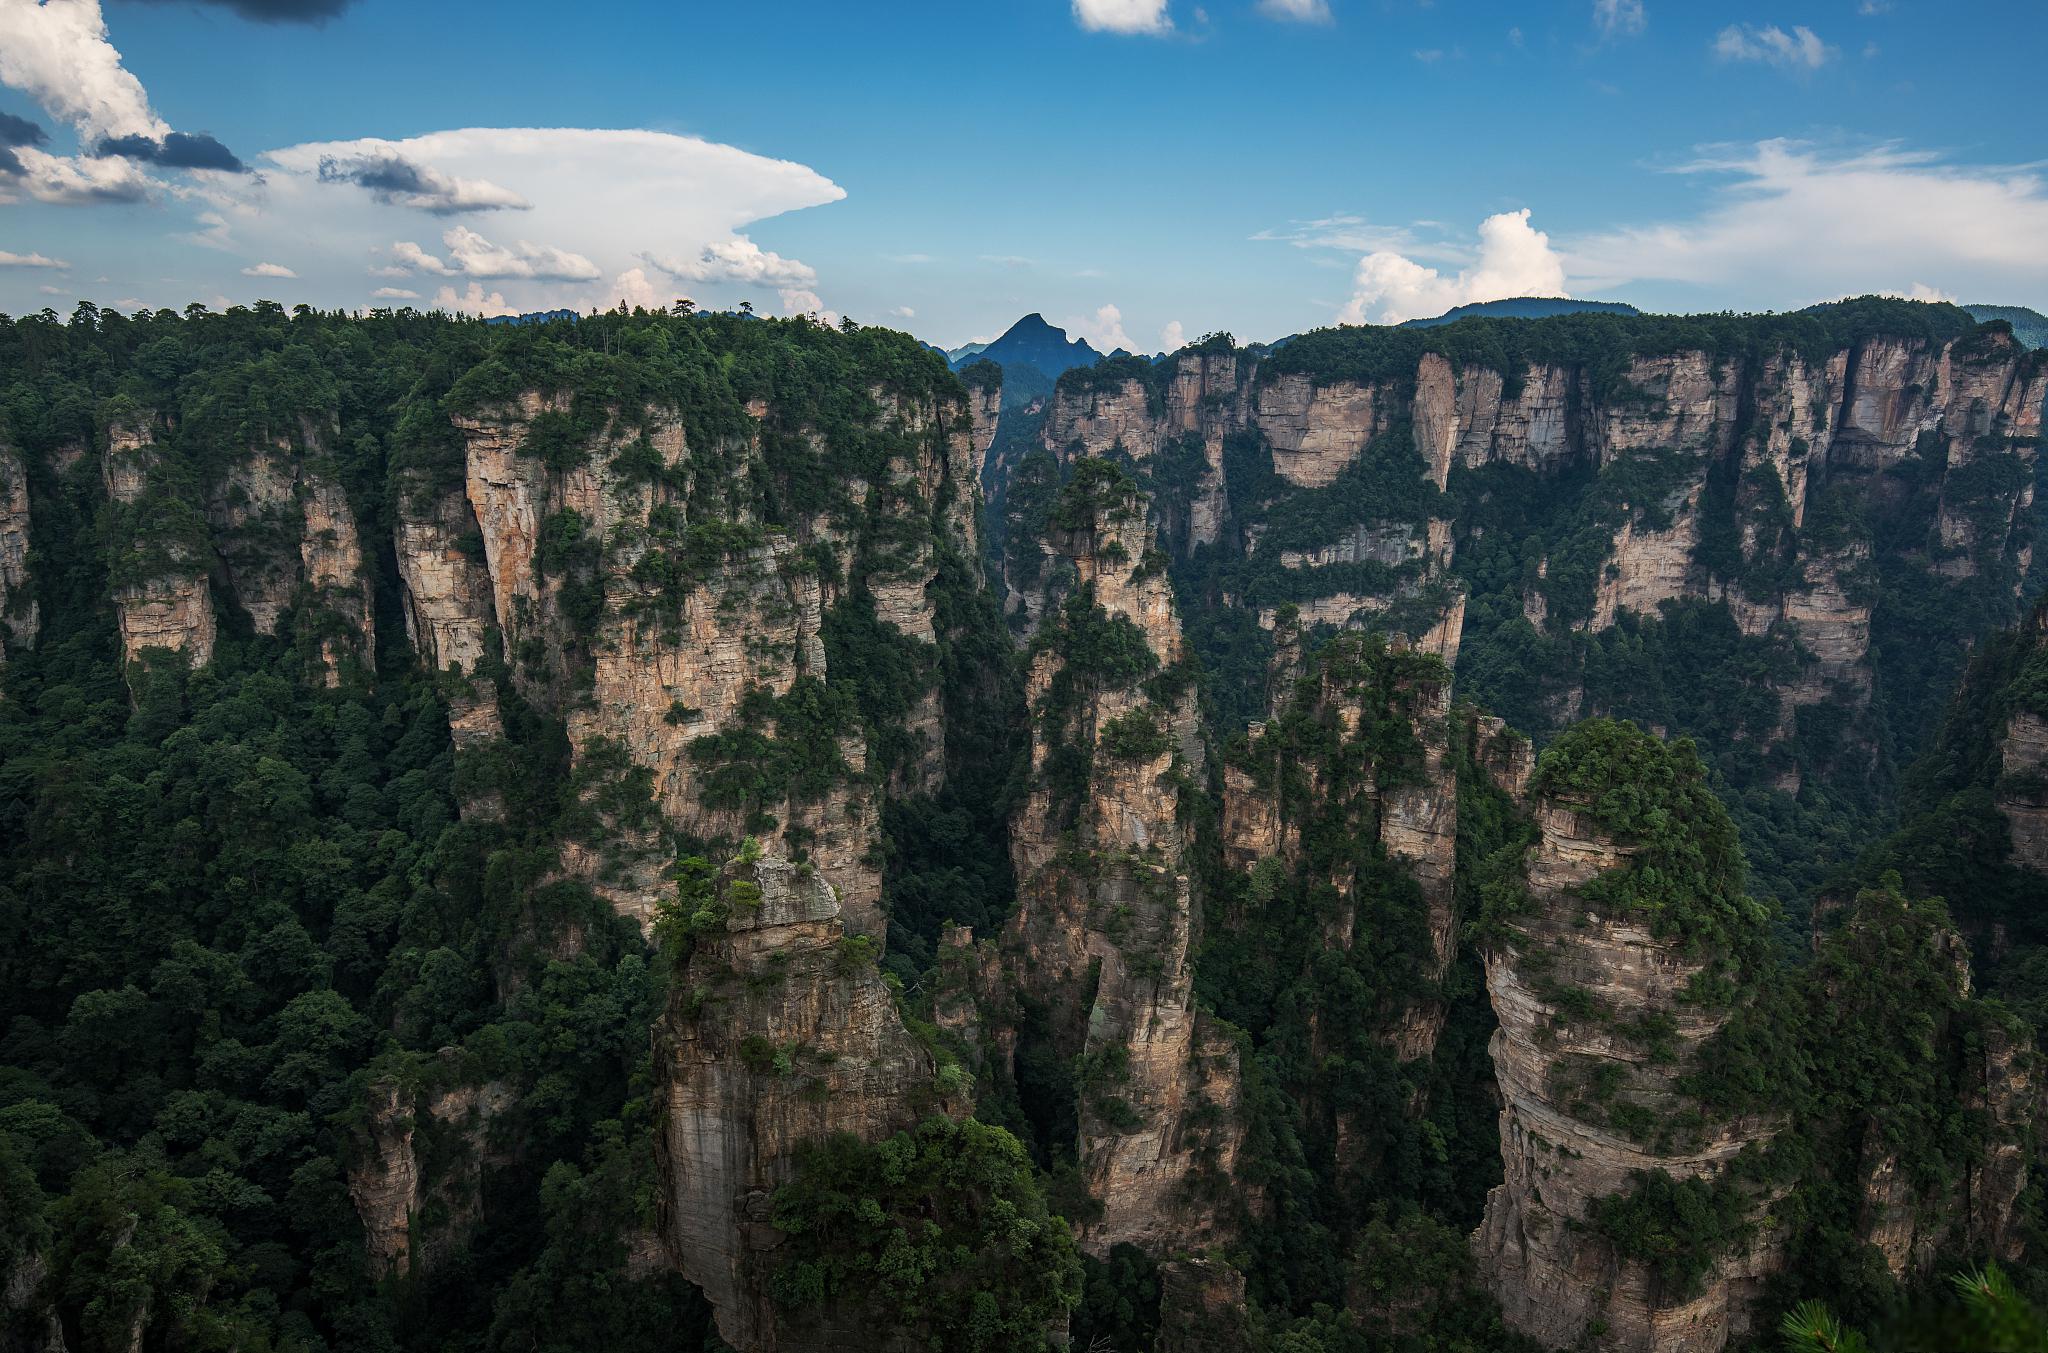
1104, 329
904, 312
59, 54
737, 260
10, 260
1514, 259
1173, 336
471, 255
268, 270
474, 301
71, 181
395, 294
1124, 16
1800, 49
1296, 11
1795, 223
1619, 18
390, 177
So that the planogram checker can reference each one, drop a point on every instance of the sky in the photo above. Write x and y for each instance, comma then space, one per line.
1142, 172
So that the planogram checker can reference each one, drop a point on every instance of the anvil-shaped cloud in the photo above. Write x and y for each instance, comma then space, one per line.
541, 216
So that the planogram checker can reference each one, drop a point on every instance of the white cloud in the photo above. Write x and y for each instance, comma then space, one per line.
474, 301
1123, 16
1793, 224
601, 206
395, 294
1514, 259
1619, 18
268, 270
738, 260
1296, 11
381, 169
1104, 328
471, 255
1172, 336
73, 181
904, 312
1920, 291
634, 287
1799, 49
10, 260
58, 54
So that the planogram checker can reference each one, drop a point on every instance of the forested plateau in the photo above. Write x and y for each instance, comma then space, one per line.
685, 831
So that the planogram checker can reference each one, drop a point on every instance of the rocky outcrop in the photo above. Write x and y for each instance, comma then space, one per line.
286, 539
447, 595
1358, 751
2023, 788
162, 600
1587, 1102
19, 617
1202, 1308
778, 1034
396, 1174
1107, 917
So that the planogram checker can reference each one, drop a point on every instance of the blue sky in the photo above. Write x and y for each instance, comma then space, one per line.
1135, 169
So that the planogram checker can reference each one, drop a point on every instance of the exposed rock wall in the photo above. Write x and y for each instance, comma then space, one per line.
776, 1035
1789, 429
19, 617
286, 538
1555, 1276
162, 599
1107, 917
1327, 766
390, 1180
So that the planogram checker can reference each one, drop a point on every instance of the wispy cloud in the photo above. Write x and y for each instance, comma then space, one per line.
1800, 49
12, 260
1296, 11
1793, 222
1123, 16
1619, 18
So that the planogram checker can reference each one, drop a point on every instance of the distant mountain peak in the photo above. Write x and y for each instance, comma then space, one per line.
1034, 342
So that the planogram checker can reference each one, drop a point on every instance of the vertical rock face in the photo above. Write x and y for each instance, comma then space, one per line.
391, 1180
626, 578
161, 597
779, 1033
2021, 791
1107, 916
19, 619
286, 539
1358, 751
448, 602
1669, 431
1589, 1100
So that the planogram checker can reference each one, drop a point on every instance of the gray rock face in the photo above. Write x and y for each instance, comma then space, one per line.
1554, 1276
20, 619
1108, 917
777, 1036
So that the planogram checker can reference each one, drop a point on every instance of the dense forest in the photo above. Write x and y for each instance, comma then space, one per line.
586, 834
